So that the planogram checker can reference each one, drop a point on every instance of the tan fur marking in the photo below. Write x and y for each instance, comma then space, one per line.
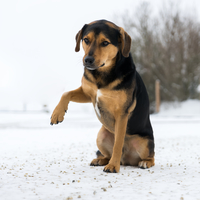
125, 42
141, 146
90, 89
132, 107
105, 142
93, 22
86, 47
114, 83
112, 25
108, 53
90, 77
114, 100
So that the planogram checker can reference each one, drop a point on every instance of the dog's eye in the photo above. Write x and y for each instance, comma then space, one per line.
105, 43
86, 41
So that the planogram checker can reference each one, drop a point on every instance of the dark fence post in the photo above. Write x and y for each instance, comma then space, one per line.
157, 96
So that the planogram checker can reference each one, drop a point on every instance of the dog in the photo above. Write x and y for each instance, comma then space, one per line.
111, 83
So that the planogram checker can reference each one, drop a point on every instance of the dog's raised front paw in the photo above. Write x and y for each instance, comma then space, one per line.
57, 116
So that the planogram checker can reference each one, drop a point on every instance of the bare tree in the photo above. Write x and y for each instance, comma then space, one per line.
166, 47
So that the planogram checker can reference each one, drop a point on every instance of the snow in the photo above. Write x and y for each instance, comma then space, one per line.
39, 161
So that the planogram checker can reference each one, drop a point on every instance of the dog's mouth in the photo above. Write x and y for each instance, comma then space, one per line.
93, 67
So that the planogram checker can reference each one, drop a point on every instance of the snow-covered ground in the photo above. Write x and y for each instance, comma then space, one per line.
39, 161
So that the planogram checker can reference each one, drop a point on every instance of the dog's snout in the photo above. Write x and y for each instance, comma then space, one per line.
89, 60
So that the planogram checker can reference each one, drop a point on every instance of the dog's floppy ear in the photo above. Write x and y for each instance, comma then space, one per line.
78, 38
125, 42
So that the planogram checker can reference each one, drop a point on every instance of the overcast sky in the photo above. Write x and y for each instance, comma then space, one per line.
37, 40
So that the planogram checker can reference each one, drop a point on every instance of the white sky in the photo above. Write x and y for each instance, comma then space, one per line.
37, 40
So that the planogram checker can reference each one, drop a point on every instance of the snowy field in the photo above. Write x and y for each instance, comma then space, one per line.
39, 161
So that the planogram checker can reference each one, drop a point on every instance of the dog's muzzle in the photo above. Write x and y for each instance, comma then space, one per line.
89, 63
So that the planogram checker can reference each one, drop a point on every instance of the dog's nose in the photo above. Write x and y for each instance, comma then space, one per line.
89, 60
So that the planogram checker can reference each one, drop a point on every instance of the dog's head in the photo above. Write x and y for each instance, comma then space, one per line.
102, 41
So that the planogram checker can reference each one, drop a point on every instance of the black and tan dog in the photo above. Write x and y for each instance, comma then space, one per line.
117, 92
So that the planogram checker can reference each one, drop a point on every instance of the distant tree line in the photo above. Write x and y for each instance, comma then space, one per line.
166, 47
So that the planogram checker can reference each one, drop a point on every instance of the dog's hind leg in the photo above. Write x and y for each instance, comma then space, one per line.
145, 149
147, 156
105, 142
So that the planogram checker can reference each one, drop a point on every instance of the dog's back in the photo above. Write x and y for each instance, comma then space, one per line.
139, 122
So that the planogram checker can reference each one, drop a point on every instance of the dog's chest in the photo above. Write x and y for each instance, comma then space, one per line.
103, 109
104, 103
97, 102
107, 103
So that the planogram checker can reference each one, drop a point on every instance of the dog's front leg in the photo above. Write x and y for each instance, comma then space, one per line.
76, 96
120, 130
